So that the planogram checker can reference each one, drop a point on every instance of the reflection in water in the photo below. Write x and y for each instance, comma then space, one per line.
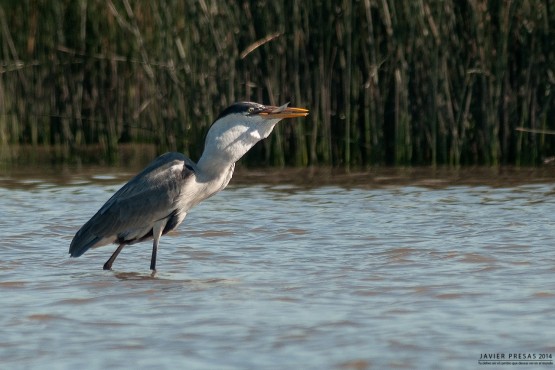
388, 270
135, 276
168, 278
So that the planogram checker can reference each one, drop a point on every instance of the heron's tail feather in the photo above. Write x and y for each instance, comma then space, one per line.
84, 240
81, 243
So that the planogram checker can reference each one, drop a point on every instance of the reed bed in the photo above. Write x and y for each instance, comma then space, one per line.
387, 82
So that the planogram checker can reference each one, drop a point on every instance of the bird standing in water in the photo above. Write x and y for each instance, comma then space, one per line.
158, 199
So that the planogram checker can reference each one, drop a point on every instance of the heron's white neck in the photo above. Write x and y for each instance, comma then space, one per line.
228, 139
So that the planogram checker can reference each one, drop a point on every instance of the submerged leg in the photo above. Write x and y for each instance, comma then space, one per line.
153, 258
108, 264
156, 233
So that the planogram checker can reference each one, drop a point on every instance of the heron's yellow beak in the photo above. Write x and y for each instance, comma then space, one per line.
283, 112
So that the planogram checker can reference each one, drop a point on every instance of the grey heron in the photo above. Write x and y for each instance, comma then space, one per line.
157, 199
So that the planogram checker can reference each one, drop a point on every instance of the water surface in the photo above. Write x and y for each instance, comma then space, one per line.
381, 271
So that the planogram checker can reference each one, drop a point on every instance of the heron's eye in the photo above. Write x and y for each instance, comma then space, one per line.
251, 110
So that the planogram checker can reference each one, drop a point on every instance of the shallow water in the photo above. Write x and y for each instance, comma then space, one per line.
394, 274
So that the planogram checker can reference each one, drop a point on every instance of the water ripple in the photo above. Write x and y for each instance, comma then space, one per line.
321, 277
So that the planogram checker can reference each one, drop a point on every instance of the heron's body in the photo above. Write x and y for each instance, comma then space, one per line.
157, 200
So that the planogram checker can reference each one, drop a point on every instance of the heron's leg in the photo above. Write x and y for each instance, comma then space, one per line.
156, 233
108, 264
153, 258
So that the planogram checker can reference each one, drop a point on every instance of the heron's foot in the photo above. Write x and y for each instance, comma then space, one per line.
152, 273
107, 266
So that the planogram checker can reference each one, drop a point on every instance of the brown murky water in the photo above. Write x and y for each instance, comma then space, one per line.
390, 270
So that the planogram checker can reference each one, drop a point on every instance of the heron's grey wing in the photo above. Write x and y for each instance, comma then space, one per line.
132, 211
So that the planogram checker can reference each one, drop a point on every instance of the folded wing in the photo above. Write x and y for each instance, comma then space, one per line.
130, 214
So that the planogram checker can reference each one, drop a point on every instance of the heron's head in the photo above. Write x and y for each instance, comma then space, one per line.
242, 125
